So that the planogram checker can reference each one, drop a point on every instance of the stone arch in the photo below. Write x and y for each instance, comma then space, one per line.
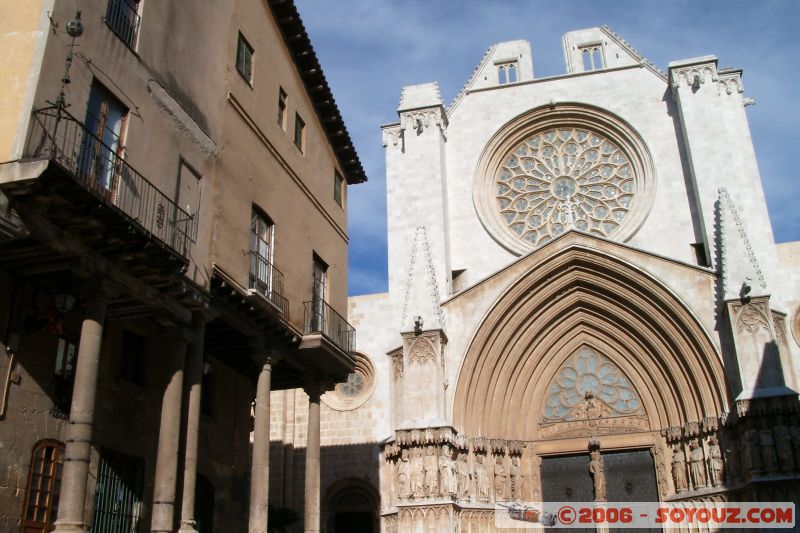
577, 296
351, 496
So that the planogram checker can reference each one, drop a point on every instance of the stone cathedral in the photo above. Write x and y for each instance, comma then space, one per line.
583, 284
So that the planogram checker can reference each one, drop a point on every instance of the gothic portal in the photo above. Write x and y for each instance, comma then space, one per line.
585, 302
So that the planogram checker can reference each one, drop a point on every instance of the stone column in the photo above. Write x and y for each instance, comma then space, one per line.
194, 381
259, 475
312, 486
169, 438
81, 420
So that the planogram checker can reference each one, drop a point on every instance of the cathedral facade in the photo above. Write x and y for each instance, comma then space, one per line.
585, 303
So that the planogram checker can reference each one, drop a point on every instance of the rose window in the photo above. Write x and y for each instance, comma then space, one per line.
353, 386
564, 178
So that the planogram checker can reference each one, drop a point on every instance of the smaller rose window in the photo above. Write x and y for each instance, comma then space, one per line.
356, 389
562, 178
352, 387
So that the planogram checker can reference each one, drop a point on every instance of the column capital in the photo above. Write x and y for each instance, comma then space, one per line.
315, 388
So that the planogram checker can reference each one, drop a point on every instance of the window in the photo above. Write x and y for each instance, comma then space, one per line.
244, 59
262, 234
123, 17
699, 250
507, 73
299, 132
132, 364
282, 108
592, 57
319, 290
118, 493
44, 485
101, 151
338, 188
320, 281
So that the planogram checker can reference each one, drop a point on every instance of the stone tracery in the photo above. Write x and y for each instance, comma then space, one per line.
562, 178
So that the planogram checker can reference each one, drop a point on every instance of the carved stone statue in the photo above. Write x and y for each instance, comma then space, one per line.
447, 470
783, 446
417, 474
679, 469
751, 456
596, 469
698, 467
768, 455
431, 472
715, 464
481, 479
499, 480
404, 475
463, 476
732, 459
516, 479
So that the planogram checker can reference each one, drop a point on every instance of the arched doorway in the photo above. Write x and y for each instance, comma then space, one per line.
583, 348
352, 507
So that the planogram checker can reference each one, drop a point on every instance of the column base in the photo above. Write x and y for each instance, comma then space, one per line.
188, 527
70, 527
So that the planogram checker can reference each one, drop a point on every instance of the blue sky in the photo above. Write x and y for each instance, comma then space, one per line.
369, 49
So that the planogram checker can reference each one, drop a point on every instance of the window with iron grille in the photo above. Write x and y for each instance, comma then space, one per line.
44, 485
123, 17
262, 234
244, 59
118, 494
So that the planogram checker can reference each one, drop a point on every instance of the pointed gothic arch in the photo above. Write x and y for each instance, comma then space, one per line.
583, 296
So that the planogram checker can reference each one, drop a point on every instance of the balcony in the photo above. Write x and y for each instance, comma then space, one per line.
267, 281
10, 224
122, 16
102, 176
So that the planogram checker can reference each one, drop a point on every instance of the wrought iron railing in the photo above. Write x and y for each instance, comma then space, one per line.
101, 170
8, 216
267, 281
122, 16
321, 318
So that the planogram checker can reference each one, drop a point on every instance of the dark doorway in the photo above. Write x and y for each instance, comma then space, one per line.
630, 477
566, 478
354, 522
352, 507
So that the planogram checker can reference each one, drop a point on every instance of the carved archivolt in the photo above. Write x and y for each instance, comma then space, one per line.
579, 296
796, 324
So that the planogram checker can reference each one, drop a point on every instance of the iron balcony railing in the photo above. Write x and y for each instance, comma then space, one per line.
267, 281
321, 318
8, 216
101, 170
122, 16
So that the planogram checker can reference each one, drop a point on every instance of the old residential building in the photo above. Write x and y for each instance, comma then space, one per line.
173, 247
582, 279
